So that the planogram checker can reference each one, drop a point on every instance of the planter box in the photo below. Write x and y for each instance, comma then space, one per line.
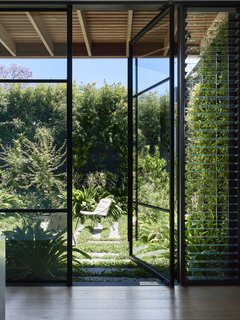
2, 278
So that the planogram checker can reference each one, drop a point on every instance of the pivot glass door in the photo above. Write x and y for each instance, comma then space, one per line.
151, 146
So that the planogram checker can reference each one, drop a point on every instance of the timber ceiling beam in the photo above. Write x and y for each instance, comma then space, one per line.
129, 30
42, 31
7, 41
166, 44
83, 23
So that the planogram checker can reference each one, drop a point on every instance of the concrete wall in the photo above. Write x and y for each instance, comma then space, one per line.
2, 278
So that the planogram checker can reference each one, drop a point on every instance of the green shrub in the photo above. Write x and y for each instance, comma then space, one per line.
37, 254
207, 157
153, 179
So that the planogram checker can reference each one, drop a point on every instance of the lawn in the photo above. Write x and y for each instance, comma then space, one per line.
110, 256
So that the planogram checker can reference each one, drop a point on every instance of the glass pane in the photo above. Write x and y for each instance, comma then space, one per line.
154, 147
134, 152
35, 246
212, 145
33, 146
33, 36
153, 244
23, 68
151, 71
153, 55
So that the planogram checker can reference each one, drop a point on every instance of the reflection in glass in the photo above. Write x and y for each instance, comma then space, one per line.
152, 51
33, 146
151, 71
25, 42
152, 244
35, 245
154, 147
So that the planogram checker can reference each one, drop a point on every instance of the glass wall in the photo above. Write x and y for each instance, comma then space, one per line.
211, 145
34, 95
33, 145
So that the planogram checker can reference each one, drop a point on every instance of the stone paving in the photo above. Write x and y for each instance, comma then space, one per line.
97, 271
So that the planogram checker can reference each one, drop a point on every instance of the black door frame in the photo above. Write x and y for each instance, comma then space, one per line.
168, 10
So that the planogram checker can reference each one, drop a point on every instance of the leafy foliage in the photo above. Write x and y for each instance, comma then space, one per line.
37, 254
153, 179
32, 160
33, 253
9, 200
23, 110
207, 155
88, 198
99, 128
34, 170
153, 121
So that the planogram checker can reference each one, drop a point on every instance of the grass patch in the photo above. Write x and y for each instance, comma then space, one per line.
115, 265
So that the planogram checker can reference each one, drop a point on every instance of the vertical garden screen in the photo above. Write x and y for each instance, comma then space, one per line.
211, 152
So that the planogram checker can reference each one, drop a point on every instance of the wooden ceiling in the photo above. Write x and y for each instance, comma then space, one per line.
200, 28
95, 33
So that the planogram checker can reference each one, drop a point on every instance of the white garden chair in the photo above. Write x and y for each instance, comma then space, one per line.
101, 210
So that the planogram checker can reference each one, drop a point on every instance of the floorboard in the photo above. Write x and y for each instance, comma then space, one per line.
123, 303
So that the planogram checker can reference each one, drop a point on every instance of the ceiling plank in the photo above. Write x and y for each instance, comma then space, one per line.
42, 31
7, 41
129, 30
83, 23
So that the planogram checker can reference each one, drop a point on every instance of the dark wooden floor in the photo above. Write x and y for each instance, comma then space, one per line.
122, 303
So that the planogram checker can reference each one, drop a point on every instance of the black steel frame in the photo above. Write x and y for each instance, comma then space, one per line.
69, 144
183, 7
166, 10
130, 149
181, 146
136, 144
68, 82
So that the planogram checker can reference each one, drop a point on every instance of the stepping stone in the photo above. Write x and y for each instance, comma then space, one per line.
121, 280
76, 234
151, 253
103, 254
139, 248
78, 230
103, 241
114, 233
93, 260
96, 233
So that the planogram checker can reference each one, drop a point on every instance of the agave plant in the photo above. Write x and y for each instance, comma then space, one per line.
37, 254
